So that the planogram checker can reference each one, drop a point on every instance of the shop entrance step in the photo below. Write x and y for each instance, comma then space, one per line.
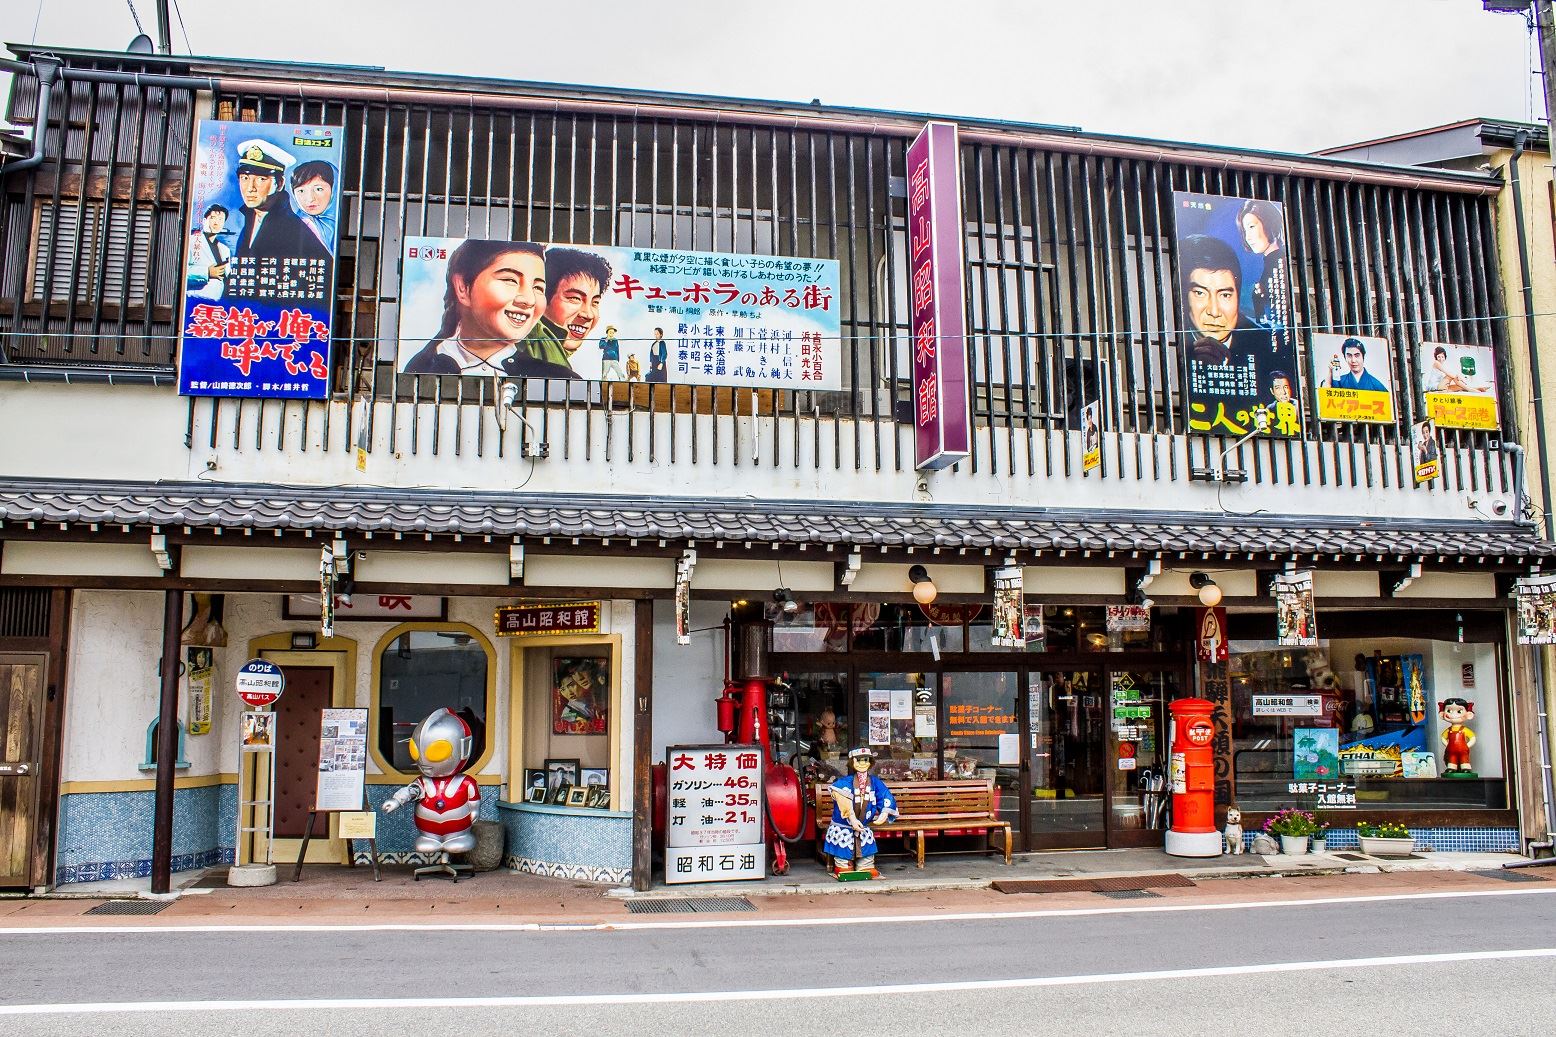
1110, 884
685, 905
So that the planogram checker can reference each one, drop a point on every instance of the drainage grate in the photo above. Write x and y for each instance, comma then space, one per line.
1103, 885
1509, 876
688, 905
130, 907
1126, 894
1352, 856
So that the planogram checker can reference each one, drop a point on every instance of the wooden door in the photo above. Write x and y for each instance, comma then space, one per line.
22, 683
308, 690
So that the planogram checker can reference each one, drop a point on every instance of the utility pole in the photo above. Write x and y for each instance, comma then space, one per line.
1539, 11
164, 29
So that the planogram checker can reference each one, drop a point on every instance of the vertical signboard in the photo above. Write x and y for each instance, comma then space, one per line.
715, 814
342, 760
937, 306
259, 260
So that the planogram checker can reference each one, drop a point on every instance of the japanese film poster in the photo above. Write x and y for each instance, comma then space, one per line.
1355, 378
580, 695
714, 830
1091, 436
1009, 622
1536, 597
1426, 457
1459, 385
524, 309
1236, 300
259, 260
1296, 621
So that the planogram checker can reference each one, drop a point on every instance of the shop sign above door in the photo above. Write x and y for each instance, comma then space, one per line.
567, 617
368, 606
260, 682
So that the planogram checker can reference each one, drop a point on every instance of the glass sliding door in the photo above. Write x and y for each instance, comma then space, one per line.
1137, 755
1067, 743
983, 735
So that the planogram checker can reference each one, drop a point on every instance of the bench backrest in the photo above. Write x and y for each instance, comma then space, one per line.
945, 800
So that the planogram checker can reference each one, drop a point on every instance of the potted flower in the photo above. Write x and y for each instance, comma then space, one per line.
1321, 837
1385, 837
1293, 826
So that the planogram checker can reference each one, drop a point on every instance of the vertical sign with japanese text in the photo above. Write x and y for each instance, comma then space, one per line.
259, 260
938, 308
714, 828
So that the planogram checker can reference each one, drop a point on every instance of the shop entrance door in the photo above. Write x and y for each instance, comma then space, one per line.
308, 690
1095, 756
21, 728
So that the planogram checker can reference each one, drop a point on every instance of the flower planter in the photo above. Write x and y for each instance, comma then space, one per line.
1296, 845
1376, 844
1320, 845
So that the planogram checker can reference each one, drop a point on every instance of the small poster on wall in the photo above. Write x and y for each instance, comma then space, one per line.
200, 672
580, 695
879, 718
1296, 621
1315, 754
1459, 385
1009, 626
1427, 460
1355, 378
1536, 597
1091, 436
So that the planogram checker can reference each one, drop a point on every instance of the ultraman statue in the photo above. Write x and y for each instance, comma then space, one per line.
445, 799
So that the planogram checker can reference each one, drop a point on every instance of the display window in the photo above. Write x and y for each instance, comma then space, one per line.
1374, 723
424, 666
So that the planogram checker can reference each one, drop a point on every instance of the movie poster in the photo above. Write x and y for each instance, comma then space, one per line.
580, 695
1296, 621
1459, 385
1536, 596
520, 309
259, 260
1425, 455
1009, 621
1235, 292
1091, 436
1355, 378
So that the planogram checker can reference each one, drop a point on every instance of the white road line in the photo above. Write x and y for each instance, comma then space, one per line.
805, 993
764, 923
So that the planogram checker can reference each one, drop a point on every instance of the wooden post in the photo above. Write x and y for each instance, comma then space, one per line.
167, 744
642, 746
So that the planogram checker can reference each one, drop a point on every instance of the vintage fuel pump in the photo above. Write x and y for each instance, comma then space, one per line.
1193, 832
742, 719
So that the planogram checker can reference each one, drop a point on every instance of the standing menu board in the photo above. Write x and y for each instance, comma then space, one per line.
715, 814
342, 760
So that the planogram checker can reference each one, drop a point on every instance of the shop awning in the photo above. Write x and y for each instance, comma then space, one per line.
950, 528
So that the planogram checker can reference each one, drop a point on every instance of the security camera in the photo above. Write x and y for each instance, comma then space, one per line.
1499, 508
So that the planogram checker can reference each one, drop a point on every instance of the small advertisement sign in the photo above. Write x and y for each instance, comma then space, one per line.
1355, 378
1128, 618
200, 675
1296, 620
342, 760
567, 617
525, 309
1091, 436
1236, 300
1459, 385
1211, 643
715, 809
259, 260
1288, 705
937, 298
1009, 621
1536, 597
1315, 754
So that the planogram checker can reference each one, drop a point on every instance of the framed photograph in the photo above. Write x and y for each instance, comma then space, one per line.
597, 776
535, 795
580, 695
534, 778
560, 774
259, 731
599, 797
578, 795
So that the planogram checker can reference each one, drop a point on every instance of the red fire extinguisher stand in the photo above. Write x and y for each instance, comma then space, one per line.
1193, 832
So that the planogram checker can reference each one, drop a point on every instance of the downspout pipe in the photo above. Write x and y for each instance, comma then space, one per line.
47, 70
1527, 290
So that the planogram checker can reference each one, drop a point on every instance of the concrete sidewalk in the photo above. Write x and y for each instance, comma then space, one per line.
340, 896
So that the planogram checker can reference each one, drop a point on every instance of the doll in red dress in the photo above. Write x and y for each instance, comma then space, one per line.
1456, 738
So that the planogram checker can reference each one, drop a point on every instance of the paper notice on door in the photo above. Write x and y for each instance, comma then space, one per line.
924, 725
902, 704
1010, 749
880, 718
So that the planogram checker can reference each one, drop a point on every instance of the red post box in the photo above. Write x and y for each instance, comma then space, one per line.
1193, 832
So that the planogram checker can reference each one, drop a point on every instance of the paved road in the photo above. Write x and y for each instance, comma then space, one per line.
1452, 964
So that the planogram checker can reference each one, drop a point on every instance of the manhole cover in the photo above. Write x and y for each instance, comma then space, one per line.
1126, 894
1102, 885
130, 907
688, 905
1509, 876
1351, 856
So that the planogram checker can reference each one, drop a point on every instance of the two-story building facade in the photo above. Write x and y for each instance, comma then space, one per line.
1138, 463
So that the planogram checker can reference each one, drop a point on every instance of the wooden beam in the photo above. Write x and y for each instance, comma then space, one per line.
167, 745
643, 746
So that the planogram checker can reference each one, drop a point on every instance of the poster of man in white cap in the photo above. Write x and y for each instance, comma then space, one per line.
260, 260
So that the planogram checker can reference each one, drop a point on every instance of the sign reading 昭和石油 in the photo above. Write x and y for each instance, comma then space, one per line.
937, 298
259, 260
714, 830
568, 617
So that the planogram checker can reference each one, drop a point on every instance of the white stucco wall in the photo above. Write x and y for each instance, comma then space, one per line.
687, 678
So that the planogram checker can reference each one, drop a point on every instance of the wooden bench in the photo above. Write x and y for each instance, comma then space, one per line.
925, 807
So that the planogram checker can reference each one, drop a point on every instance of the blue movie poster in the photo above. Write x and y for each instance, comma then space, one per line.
259, 270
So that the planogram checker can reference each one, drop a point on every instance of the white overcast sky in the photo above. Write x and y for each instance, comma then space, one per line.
1289, 75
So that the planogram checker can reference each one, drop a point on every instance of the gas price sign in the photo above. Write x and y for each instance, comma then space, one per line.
715, 814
